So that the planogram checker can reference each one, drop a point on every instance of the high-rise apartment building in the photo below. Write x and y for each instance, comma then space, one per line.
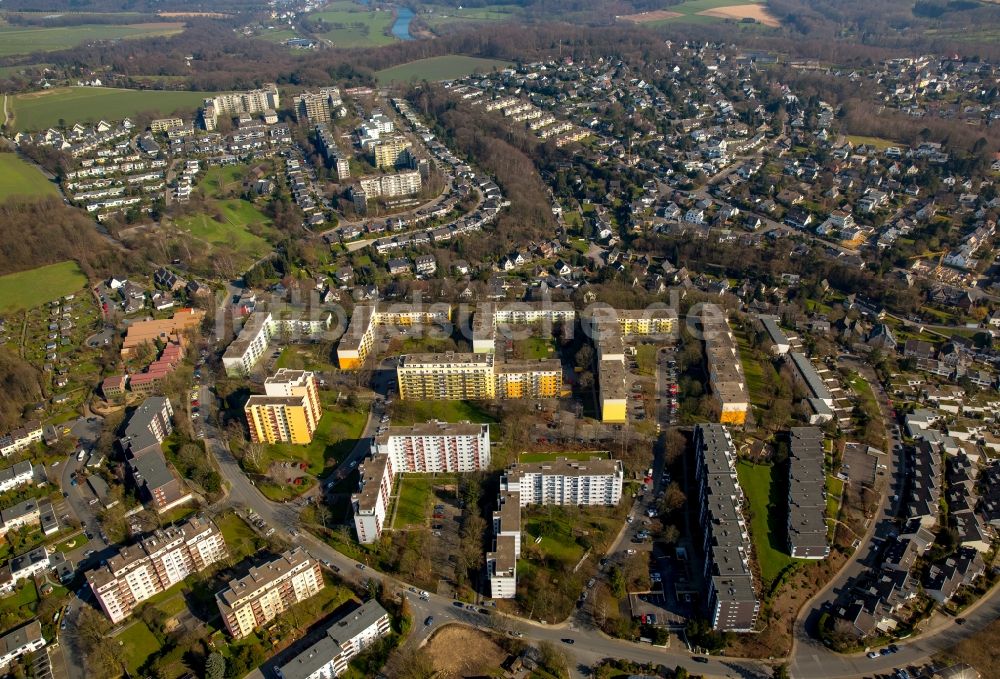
391, 152
288, 412
448, 376
155, 563
436, 447
596, 482
269, 590
316, 107
235, 103
540, 378
391, 185
426, 447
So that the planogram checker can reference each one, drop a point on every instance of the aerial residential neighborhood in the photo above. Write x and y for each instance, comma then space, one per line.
544, 340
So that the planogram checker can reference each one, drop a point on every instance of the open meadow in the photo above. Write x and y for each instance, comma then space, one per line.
32, 288
40, 110
704, 11
234, 228
20, 178
439, 68
351, 25
30, 39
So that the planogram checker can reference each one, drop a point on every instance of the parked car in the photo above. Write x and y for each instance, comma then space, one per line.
429, 621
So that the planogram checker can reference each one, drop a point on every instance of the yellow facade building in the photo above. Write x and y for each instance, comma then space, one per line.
448, 376
529, 379
389, 153
288, 412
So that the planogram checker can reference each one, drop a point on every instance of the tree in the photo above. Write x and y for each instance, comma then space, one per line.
780, 671
553, 659
680, 672
673, 498
215, 666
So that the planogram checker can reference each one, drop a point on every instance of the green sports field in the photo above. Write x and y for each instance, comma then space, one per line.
439, 68
41, 110
30, 39
20, 178
351, 25
32, 288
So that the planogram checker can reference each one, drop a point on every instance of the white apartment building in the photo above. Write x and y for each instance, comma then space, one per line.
156, 563
371, 501
436, 447
235, 103
563, 482
566, 482
343, 640
391, 185
248, 348
420, 448
21, 474
22, 641
268, 591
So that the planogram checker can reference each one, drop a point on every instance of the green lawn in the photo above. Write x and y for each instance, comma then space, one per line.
834, 491
222, 178
689, 11
238, 215
239, 537
25, 597
537, 347
351, 25
411, 412
439, 68
445, 14
416, 493
137, 643
548, 457
338, 430
44, 109
878, 142
73, 543
557, 539
768, 518
30, 39
32, 288
20, 178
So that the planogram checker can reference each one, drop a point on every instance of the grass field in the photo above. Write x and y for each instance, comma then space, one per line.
32, 288
767, 523
351, 25
690, 11
30, 39
137, 644
73, 543
416, 494
411, 412
21, 178
439, 68
238, 215
878, 142
41, 110
335, 436
449, 15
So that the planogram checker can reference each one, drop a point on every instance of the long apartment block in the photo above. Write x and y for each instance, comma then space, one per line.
807, 529
268, 591
454, 376
288, 412
340, 642
595, 482
250, 345
157, 562
420, 448
727, 382
731, 600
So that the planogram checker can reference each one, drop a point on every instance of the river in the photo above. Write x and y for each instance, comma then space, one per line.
401, 27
